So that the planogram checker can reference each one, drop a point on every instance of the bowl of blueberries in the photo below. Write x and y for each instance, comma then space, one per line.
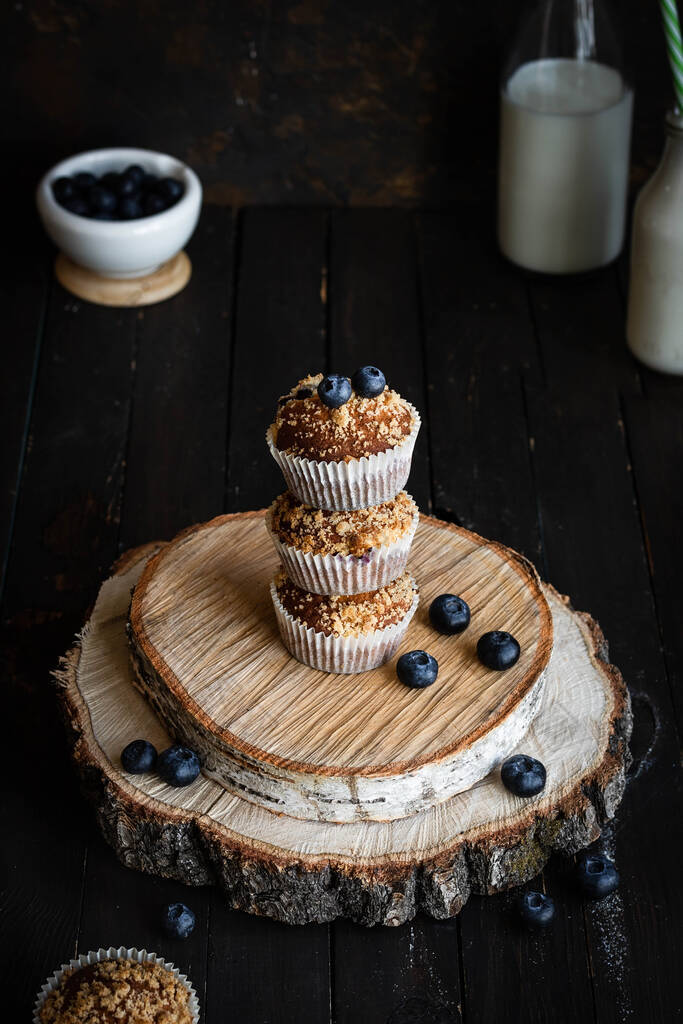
121, 213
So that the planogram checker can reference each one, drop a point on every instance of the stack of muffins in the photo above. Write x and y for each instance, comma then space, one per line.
343, 530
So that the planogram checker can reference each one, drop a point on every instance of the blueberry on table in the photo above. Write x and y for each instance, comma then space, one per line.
498, 650
368, 382
77, 204
152, 204
63, 189
135, 173
417, 669
101, 199
170, 188
334, 390
129, 208
179, 920
138, 757
178, 765
523, 775
449, 614
84, 179
536, 909
596, 875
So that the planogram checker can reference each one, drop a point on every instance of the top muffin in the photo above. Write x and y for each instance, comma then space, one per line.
306, 427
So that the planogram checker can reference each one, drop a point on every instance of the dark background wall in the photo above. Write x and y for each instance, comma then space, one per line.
378, 102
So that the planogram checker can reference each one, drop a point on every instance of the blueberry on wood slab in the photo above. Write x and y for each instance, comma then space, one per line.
523, 775
138, 757
498, 650
417, 669
178, 765
449, 614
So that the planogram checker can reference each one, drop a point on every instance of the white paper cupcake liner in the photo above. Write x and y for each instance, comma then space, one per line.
347, 654
93, 957
345, 574
344, 486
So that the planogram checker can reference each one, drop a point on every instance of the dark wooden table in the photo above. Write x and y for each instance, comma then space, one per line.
540, 430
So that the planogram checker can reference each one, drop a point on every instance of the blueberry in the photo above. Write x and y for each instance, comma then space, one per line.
77, 205
417, 669
63, 189
449, 614
171, 189
84, 179
596, 875
368, 382
125, 187
178, 765
179, 920
334, 390
138, 757
536, 909
153, 204
103, 215
129, 208
135, 173
149, 182
523, 775
498, 650
111, 181
101, 200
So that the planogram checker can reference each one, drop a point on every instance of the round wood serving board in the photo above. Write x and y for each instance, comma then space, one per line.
483, 840
166, 281
315, 745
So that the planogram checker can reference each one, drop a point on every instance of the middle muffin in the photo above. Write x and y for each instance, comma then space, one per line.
342, 552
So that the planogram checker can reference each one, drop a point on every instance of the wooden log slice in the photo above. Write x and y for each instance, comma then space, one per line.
335, 747
481, 841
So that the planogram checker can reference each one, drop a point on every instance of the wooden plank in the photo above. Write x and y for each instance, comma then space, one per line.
654, 428
64, 539
374, 313
257, 970
481, 359
175, 467
23, 293
375, 319
594, 552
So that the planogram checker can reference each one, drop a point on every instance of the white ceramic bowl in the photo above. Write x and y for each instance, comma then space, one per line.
125, 248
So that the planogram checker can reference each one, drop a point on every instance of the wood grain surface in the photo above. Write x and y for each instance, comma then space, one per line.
299, 871
209, 655
540, 432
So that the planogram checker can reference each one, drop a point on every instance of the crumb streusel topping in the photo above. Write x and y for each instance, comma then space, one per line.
362, 426
116, 991
348, 615
318, 532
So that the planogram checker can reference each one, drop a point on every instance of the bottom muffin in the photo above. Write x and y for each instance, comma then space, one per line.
343, 633
114, 990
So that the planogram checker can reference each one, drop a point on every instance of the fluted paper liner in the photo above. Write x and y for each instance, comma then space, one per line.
345, 574
347, 654
344, 486
93, 957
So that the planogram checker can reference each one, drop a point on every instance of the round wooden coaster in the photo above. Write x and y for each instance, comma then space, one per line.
330, 746
298, 871
168, 280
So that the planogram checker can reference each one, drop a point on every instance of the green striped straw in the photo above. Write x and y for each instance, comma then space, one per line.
674, 45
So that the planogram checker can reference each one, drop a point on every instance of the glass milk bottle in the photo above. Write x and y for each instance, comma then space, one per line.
654, 325
564, 140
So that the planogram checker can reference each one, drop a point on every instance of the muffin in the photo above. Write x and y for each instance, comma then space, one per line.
343, 458
342, 552
112, 990
343, 633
